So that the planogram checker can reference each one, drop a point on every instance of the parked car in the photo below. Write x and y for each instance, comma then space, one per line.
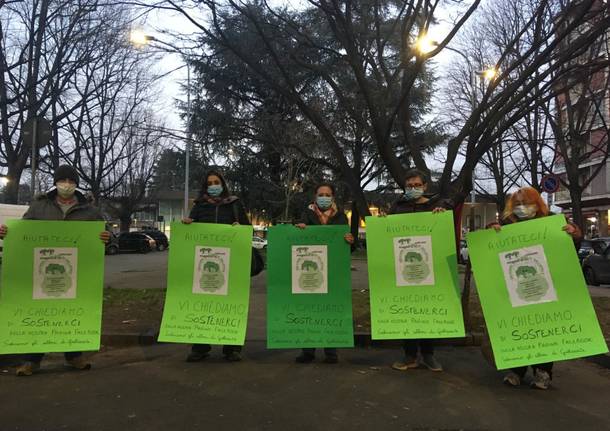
136, 241
258, 242
596, 268
592, 246
159, 237
463, 251
112, 246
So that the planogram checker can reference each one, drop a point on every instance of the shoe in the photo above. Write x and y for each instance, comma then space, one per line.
331, 359
542, 380
430, 362
197, 356
305, 358
233, 357
410, 362
78, 363
27, 368
512, 379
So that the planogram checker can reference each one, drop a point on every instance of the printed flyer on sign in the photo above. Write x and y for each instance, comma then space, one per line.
208, 284
535, 301
413, 261
211, 270
413, 278
527, 276
309, 269
309, 294
52, 281
55, 273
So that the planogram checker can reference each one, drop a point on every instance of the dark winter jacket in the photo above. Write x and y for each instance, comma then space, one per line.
45, 207
309, 217
402, 206
226, 211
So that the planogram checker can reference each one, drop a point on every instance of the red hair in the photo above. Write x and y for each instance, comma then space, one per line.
529, 196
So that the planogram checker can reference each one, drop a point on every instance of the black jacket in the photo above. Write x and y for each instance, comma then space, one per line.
227, 211
309, 217
402, 206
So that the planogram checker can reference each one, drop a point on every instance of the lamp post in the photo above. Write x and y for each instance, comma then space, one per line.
140, 39
424, 45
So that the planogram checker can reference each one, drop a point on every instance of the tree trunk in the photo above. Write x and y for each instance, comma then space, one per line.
125, 220
577, 216
355, 222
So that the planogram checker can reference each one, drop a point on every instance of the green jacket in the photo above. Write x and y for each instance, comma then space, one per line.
45, 207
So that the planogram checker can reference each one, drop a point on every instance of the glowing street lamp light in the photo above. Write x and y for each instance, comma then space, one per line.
425, 44
140, 39
490, 74
4, 181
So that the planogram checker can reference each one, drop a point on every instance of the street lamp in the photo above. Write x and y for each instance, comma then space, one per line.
140, 39
4, 181
425, 44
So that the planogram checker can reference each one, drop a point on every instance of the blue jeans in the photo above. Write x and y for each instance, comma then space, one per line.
328, 351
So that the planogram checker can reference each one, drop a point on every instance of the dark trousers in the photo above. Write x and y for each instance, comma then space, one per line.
328, 351
548, 367
205, 348
37, 357
425, 346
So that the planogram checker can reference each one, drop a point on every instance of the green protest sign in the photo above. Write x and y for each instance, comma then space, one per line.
52, 281
309, 293
534, 297
208, 284
413, 276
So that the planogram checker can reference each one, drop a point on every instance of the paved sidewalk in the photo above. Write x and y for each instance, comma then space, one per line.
152, 388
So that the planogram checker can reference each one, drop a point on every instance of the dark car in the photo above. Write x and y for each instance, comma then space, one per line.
112, 247
596, 268
159, 237
592, 246
136, 241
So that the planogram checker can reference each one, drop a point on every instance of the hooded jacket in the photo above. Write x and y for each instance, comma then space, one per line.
45, 207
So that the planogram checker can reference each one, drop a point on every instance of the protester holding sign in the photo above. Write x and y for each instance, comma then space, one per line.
527, 204
62, 203
414, 201
323, 211
216, 204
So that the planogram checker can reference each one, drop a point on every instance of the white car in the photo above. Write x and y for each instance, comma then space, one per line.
258, 242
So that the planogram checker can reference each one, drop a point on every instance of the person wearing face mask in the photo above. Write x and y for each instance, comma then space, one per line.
62, 203
414, 200
323, 211
527, 204
215, 204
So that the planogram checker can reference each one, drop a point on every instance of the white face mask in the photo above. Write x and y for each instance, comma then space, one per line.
65, 190
525, 211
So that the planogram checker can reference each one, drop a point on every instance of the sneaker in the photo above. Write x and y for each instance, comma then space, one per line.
331, 359
542, 380
410, 362
305, 358
233, 357
78, 363
430, 362
27, 368
197, 356
512, 379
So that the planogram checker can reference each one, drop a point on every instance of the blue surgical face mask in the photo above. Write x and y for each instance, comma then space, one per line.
215, 190
324, 202
413, 193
